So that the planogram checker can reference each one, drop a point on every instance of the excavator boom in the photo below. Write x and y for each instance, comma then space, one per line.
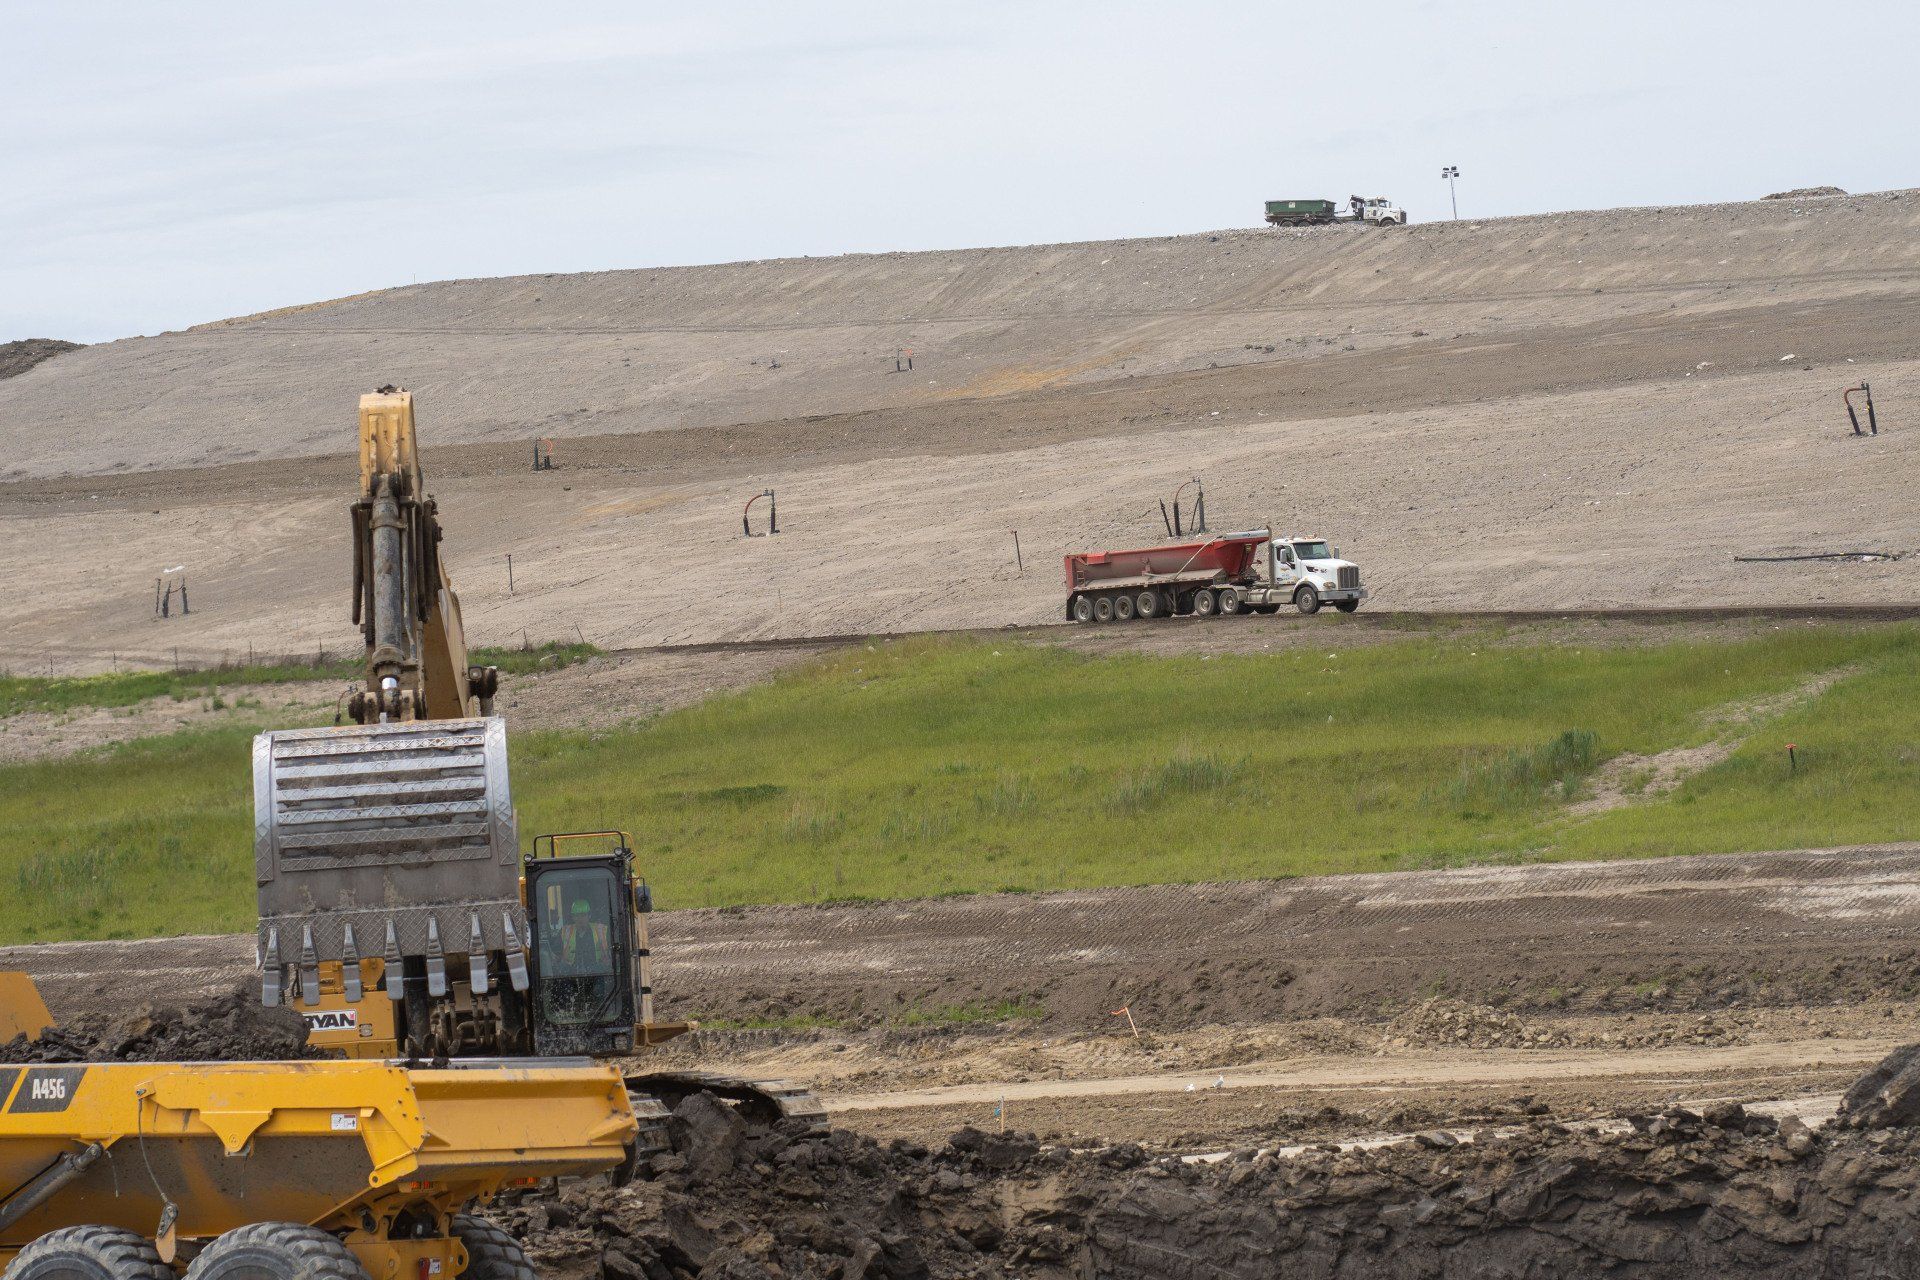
416, 665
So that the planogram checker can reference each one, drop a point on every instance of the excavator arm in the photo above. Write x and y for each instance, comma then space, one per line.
416, 649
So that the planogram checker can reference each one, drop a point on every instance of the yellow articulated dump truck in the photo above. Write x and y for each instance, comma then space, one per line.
287, 1170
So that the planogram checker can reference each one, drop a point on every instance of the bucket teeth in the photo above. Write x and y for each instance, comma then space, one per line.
350, 971
396, 977
270, 977
309, 968
516, 954
436, 961
477, 957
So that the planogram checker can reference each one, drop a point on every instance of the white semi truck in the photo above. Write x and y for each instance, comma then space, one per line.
1220, 575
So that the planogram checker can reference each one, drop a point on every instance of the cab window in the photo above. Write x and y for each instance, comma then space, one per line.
576, 923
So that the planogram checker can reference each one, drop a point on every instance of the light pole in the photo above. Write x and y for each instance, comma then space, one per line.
1451, 172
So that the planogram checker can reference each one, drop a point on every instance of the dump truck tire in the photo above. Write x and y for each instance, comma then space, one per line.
492, 1254
1203, 604
1123, 608
276, 1251
90, 1253
1306, 600
1346, 606
1082, 609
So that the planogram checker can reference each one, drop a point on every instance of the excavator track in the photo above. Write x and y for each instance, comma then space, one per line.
764, 1103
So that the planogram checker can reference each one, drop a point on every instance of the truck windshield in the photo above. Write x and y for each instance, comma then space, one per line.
1312, 551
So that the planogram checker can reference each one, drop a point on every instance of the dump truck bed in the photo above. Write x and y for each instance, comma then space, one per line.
318, 1143
1229, 556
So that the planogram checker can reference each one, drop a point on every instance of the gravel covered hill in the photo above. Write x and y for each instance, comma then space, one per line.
641, 350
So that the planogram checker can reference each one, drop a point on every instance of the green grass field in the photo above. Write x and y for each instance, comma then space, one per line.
930, 767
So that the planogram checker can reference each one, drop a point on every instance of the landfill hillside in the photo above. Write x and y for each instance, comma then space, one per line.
645, 350
1618, 409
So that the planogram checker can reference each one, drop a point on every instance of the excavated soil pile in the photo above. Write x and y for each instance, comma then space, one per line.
1440, 1022
1674, 1195
232, 1028
18, 357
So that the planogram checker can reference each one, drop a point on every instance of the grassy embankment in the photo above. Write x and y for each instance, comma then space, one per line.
928, 767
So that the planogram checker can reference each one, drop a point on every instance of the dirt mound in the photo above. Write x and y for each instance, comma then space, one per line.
233, 1028
1887, 1096
18, 357
1802, 193
1440, 1021
1670, 1195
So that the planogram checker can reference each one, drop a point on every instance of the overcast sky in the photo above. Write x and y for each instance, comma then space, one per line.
167, 164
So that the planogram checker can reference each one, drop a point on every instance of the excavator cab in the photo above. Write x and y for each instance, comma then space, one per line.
589, 961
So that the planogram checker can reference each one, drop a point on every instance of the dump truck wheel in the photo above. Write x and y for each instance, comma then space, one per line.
1346, 606
1307, 600
1123, 609
276, 1251
1228, 600
1103, 609
492, 1254
90, 1253
1147, 604
1203, 604
1082, 609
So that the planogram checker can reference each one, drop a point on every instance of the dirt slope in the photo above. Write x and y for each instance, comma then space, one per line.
1561, 411
1776, 929
623, 351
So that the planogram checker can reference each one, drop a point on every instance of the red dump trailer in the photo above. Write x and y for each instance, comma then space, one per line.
1150, 582
1222, 574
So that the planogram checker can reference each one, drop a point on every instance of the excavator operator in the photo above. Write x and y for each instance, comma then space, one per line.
585, 944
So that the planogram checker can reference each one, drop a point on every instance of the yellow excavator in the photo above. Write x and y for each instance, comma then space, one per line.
397, 912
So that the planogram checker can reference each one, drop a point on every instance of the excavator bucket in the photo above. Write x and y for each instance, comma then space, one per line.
22, 1011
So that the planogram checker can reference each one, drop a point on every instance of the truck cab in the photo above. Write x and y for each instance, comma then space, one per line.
1309, 572
1382, 212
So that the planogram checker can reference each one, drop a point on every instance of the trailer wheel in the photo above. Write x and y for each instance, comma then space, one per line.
1103, 609
90, 1253
276, 1251
1082, 609
492, 1254
1203, 603
1123, 608
1346, 606
1147, 604
1306, 599
1228, 600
